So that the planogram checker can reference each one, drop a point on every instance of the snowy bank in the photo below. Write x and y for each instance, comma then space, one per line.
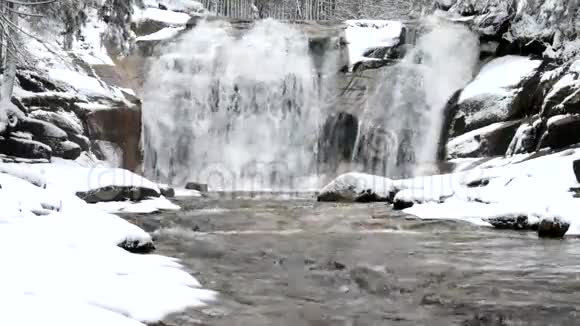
534, 188
62, 263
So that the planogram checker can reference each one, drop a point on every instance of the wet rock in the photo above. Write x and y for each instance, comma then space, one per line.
167, 192
512, 223
401, 204
25, 148
117, 193
553, 228
137, 247
196, 186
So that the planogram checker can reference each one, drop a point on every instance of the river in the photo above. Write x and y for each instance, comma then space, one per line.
288, 260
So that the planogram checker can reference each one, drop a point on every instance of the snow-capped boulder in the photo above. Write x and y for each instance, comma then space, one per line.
553, 227
25, 148
67, 150
357, 187
44, 132
66, 121
492, 140
526, 137
504, 89
373, 41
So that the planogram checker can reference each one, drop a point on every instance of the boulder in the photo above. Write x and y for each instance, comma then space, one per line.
137, 247
80, 140
66, 121
67, 150
503, 90
561, 132
553, 228
196, 186
117, 193
564, 95
167, 192
43, 131
25, 148
401, 204
357, 187
526, 138
492, 140
512, 223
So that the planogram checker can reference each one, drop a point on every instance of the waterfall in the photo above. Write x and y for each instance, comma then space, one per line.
402, 120
239, 112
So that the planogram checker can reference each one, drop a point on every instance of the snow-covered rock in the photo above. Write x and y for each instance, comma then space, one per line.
357, 187
491, 140
561, 131
367, 38
499, 92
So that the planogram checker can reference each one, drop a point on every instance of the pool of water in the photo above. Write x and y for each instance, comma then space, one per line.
292, 261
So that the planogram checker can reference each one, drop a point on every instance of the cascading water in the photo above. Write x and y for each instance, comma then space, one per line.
402, 121
236, 112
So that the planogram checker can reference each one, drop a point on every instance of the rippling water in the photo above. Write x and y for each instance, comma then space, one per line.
298, 262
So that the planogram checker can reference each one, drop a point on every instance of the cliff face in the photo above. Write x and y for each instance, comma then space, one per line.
542, 33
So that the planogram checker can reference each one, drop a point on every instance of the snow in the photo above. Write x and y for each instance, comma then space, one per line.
519, 186
91, 49
61, 264
163, 34
365, 35
143, 207
85, 85
163, 16
188, 6
500, 77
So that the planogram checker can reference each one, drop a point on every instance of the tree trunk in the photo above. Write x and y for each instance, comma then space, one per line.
7, 117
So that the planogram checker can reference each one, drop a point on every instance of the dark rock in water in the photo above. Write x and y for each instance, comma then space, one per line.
400, 204
576, 167
136, 247
67, 150
162, 6
561, 133
337, 140
25, 148
368, 196
511, 223
167, 192
553, 228
196, 186
117, 193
